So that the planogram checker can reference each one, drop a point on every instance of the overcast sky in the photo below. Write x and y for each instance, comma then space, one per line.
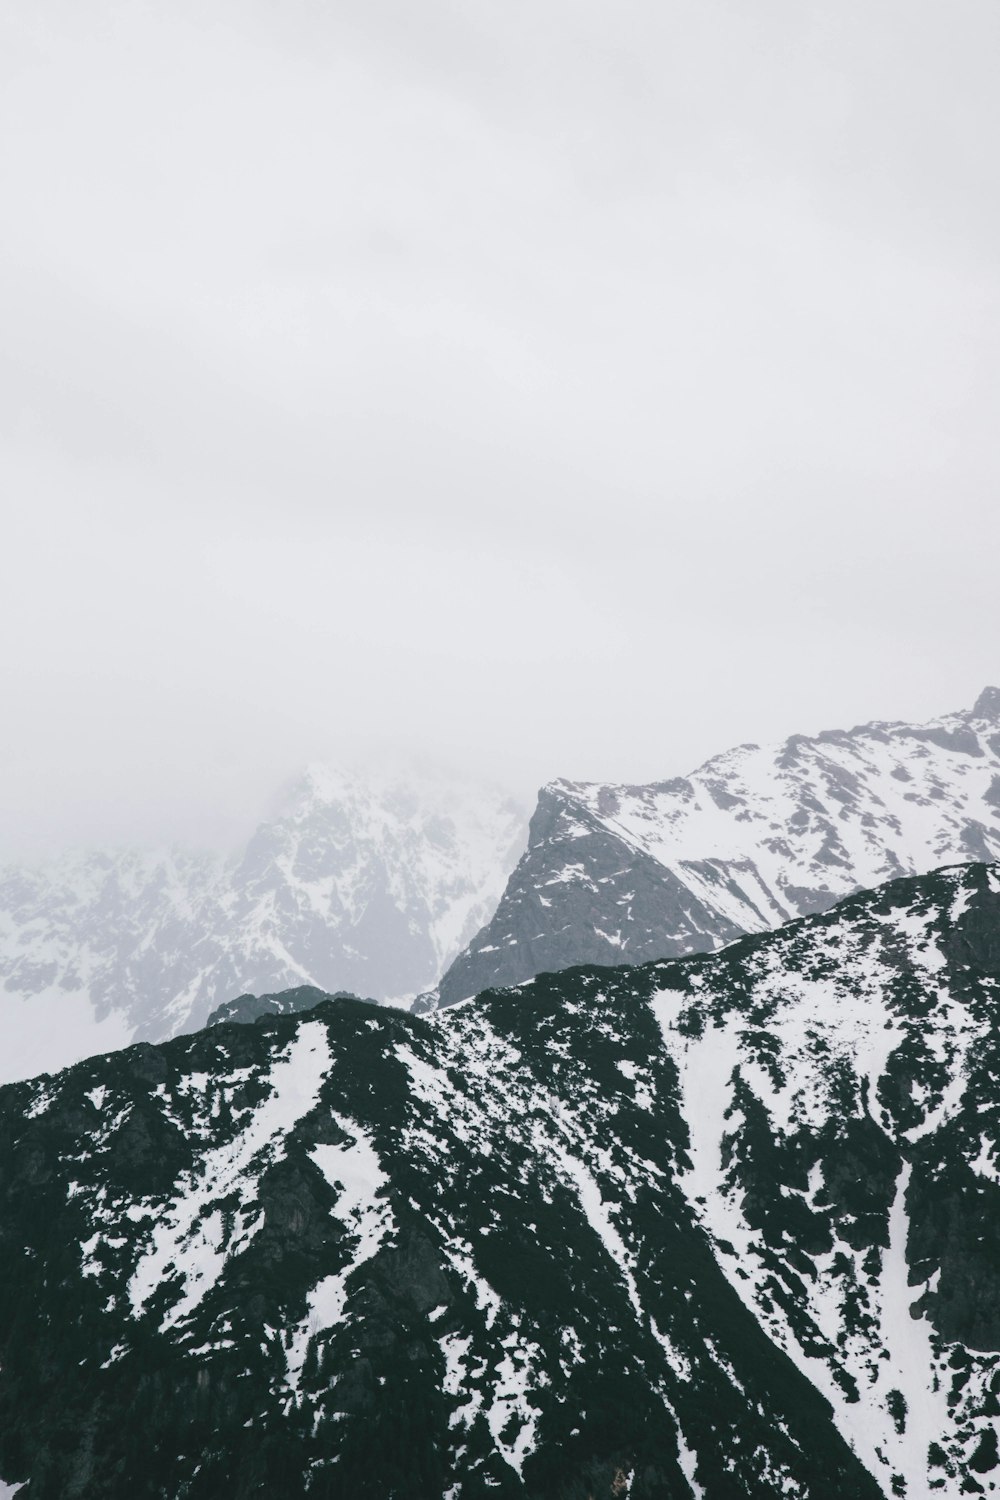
558, 388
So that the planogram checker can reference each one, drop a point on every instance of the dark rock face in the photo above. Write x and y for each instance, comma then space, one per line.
623, 874
722, 1225
246, 1009
987, 705
582, 895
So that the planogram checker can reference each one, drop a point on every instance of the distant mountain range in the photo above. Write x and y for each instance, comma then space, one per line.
755, 837
394, 886
370, 884
723, 1226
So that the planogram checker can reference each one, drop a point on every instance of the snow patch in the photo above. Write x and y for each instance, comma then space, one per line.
188, 1245
356, 1171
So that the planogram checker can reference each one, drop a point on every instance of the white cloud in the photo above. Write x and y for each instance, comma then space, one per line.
571, 388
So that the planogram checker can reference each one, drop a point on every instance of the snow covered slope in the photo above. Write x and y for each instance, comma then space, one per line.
724, 1226
364, 884
620, 874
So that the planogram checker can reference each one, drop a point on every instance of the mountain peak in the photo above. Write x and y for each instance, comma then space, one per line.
620, 874
358, 879
987, 705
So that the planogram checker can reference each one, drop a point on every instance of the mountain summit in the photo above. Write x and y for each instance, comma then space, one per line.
365, 883
753, 838
987, 705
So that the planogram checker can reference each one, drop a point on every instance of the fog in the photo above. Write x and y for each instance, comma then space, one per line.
549, 389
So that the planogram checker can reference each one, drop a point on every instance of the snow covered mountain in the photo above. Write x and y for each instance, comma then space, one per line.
366, 884
755, 837
723, 1226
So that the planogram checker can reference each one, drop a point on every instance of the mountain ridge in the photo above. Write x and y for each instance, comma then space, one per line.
754, 837
653, 1231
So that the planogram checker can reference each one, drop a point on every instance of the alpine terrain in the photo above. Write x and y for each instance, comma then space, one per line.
620, 874
367, 884
721, 1226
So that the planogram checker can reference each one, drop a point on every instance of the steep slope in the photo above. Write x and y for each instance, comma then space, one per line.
724, 1227
755, 837
369, 885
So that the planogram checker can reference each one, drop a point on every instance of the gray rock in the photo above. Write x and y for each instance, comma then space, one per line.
622, 874
246, 1009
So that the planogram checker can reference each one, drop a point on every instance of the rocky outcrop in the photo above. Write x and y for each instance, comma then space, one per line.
245, 1010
